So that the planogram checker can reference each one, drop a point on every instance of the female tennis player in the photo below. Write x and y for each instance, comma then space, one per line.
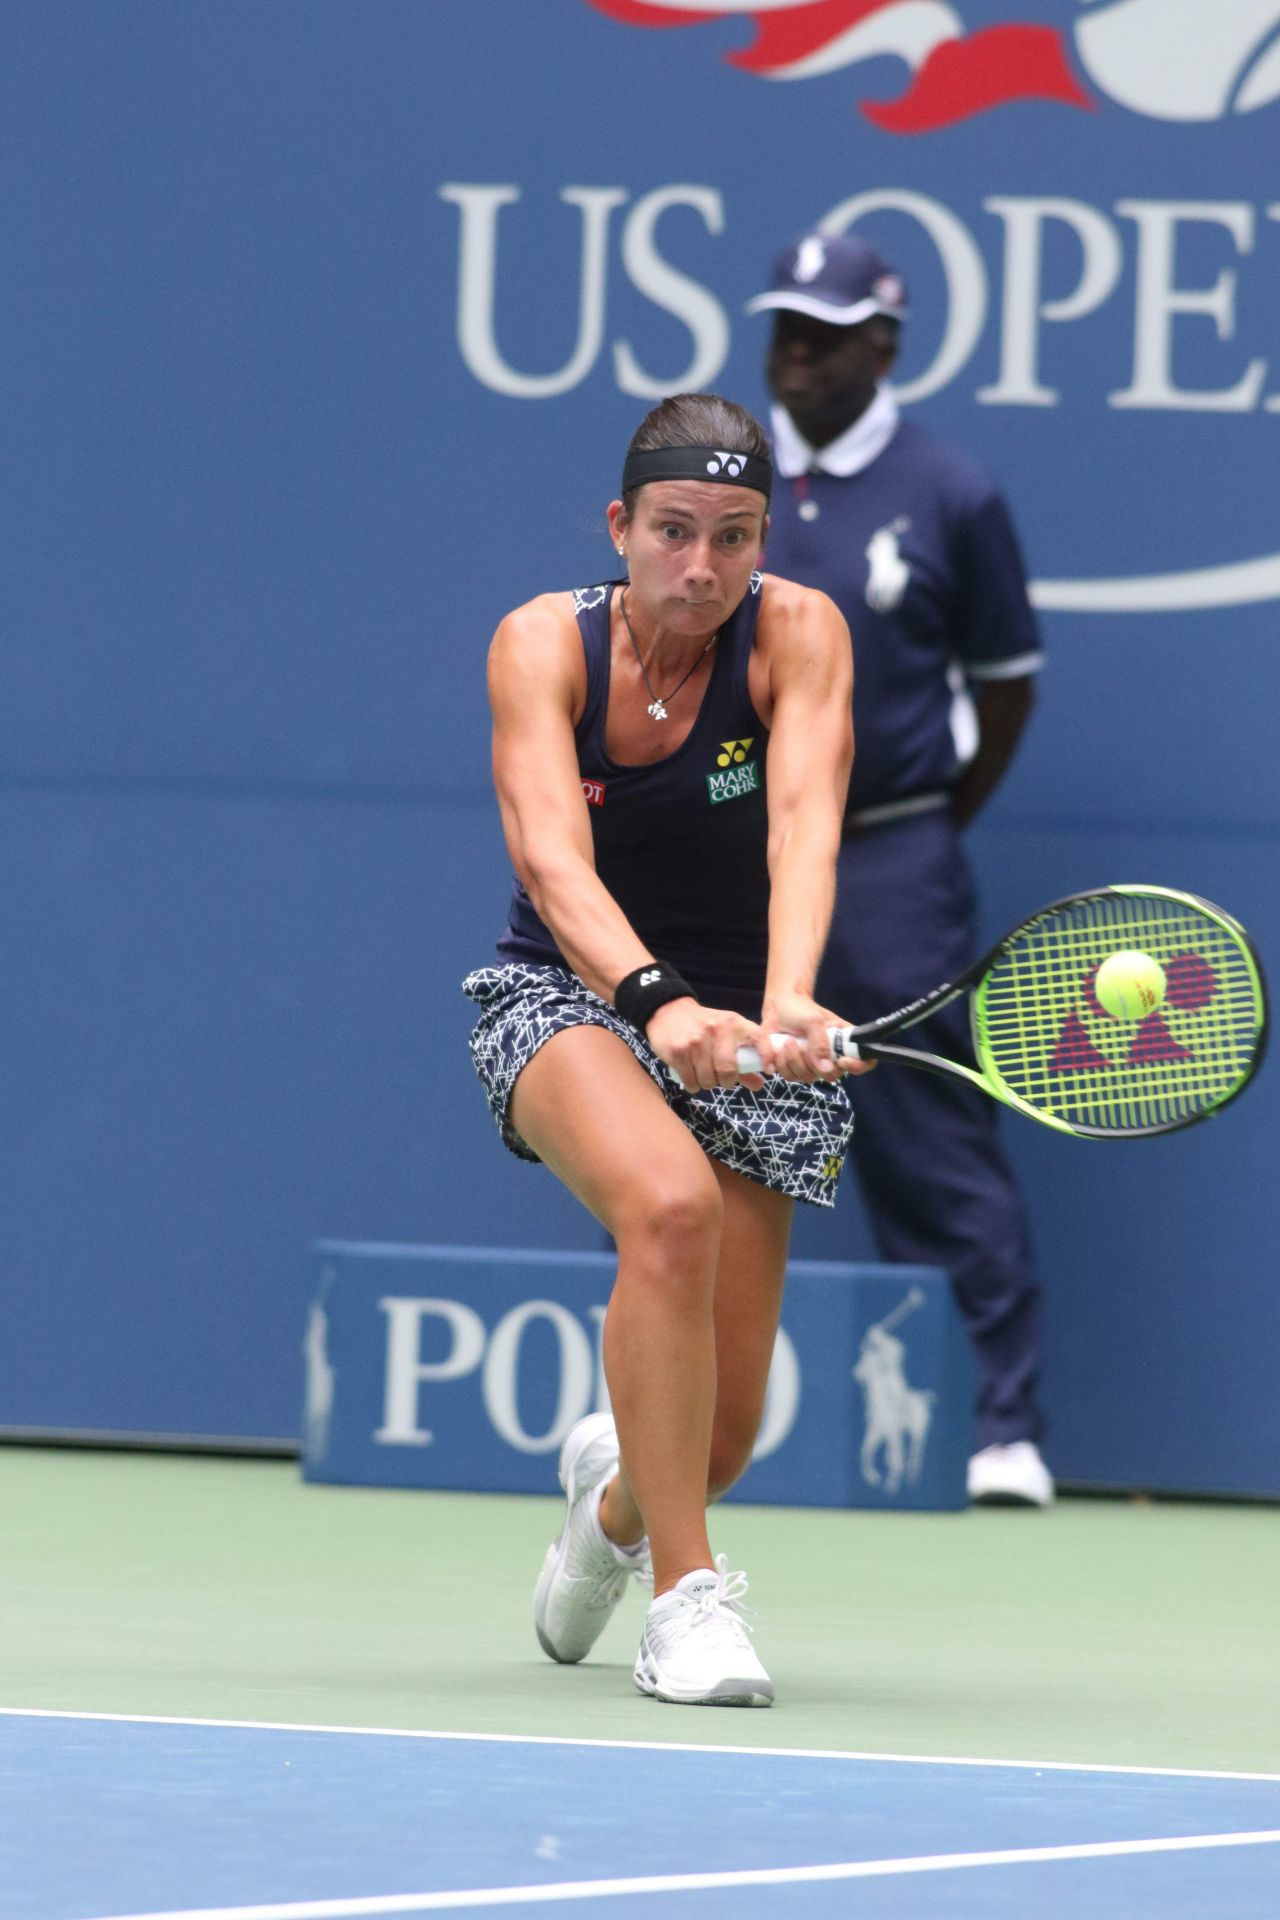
671, 752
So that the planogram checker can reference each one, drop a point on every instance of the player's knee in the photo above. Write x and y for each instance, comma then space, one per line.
670, 1228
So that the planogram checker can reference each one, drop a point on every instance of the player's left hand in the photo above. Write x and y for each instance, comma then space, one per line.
806, 1053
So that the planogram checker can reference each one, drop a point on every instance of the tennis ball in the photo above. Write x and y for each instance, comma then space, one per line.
1129, 985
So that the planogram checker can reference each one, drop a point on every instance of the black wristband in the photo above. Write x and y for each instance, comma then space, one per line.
638, 996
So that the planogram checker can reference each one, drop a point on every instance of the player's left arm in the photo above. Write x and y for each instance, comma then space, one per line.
810, 664
1000, 645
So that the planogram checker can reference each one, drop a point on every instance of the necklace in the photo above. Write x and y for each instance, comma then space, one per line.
658, 701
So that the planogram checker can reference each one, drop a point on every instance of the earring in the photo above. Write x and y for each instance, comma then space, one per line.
619, 549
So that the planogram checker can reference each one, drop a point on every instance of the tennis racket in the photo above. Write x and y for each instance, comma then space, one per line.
1046, 1046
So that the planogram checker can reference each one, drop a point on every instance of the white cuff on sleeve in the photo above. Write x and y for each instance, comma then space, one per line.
1016, 669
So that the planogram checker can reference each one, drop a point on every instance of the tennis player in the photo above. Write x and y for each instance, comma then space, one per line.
671, 753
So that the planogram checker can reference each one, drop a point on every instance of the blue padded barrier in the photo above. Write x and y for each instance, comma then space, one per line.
464, 1367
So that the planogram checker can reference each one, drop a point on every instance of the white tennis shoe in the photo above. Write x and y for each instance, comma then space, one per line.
584, 1575
1010, 1476
696, 1649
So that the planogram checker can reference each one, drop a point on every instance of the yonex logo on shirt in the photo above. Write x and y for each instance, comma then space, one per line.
733, 784
733, 752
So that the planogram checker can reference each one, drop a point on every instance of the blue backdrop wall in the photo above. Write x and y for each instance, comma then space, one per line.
326, 324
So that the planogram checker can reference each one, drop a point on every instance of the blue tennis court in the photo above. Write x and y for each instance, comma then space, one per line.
130, 1816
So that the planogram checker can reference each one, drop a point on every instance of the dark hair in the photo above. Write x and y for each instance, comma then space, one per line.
697, 420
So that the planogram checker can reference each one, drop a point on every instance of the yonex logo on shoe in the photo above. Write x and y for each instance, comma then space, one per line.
730, 463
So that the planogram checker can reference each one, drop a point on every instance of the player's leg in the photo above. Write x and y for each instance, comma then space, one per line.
646, 1178
591, 1112
696, 1646
750, 1275
748, 1301
936, 1185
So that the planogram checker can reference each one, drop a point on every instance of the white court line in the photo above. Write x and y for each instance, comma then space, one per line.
703, 1882
634, 1746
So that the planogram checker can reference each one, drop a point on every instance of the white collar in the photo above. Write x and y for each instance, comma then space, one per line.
855, 448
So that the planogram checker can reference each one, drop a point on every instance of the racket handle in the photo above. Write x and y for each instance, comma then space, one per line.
840, 1039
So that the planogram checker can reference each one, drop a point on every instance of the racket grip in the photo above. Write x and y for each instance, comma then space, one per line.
840, 1039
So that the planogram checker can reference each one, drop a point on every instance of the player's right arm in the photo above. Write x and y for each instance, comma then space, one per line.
537, 682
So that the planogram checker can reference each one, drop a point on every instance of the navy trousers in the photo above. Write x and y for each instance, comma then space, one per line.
937, 1188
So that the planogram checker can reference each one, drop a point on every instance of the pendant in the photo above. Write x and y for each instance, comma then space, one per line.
657, 710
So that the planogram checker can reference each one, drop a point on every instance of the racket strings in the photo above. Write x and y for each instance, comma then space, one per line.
1057, 1048
1040, 1030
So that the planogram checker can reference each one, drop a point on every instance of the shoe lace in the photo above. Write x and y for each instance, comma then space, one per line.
723, 1603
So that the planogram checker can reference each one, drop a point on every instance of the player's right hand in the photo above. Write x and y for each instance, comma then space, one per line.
700, 1045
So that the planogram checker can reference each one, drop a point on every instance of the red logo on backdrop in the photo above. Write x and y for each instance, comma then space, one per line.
1170, 59
593, 792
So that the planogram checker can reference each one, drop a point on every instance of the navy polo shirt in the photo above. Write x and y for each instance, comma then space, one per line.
919, 552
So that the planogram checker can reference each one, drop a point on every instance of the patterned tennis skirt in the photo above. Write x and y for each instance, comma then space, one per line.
791, 1137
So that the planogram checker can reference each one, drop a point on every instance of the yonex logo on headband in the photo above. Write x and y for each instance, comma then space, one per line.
732, 464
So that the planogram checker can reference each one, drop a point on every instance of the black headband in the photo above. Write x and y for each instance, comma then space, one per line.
697, 463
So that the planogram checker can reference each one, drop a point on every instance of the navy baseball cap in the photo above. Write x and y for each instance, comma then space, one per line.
834, 277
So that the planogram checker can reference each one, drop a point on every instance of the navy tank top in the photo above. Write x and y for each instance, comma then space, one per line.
681, 844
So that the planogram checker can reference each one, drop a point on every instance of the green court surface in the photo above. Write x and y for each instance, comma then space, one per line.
1111, 1632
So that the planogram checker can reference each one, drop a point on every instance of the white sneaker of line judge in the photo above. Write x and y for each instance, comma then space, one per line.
584, 1575
696, 1649
1010, 1476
